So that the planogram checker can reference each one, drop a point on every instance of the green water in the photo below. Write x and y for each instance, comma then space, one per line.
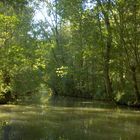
68, 120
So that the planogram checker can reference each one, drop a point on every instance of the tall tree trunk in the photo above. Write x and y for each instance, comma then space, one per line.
107, 56
105, 13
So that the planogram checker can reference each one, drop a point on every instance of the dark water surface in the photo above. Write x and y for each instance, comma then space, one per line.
68, 120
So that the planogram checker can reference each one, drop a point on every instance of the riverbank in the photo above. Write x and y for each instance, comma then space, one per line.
44, 97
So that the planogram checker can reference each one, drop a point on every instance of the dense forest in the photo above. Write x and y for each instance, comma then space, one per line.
82, 48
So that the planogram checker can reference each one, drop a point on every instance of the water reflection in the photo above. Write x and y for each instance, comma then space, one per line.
64, 120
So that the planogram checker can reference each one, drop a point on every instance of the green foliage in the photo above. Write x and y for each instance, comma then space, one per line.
84, 50
96, 49
21, 67
28, 80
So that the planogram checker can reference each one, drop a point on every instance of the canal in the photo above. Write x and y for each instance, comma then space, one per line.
68, 119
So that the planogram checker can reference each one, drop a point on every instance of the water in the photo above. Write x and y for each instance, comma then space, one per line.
63, 119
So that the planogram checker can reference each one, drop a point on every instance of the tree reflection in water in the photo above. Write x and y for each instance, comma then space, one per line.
61, 122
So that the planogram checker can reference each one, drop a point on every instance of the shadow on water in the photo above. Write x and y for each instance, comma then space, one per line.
68, 119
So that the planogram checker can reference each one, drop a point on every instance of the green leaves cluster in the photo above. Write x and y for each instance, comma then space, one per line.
87, 49
21, 64
99, 46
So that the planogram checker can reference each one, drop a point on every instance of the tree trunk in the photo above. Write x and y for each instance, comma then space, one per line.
106, 71
135, 83
108, 48
107, 57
